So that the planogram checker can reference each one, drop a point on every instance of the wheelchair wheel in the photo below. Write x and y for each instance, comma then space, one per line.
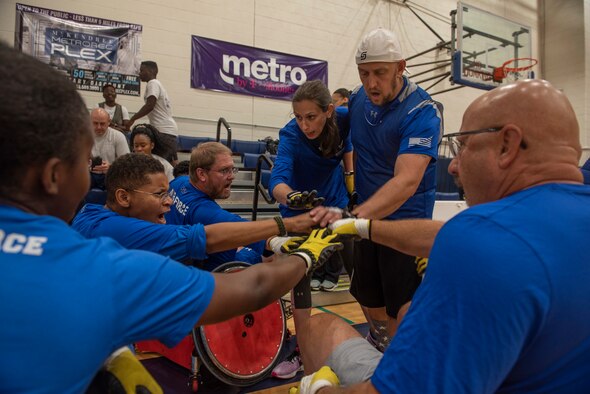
244, 350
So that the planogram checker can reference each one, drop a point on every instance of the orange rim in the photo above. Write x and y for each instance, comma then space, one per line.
519, 69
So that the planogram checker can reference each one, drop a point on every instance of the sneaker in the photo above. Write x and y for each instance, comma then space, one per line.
328, 285
288, 368
315, 284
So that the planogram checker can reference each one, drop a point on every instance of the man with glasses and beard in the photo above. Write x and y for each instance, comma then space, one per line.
211, 173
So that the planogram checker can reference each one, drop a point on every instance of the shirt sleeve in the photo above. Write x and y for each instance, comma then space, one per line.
179, 242
249, 255
125, 113
152, 89
282, 170
121, 145
155, 297
421, 130
471, 317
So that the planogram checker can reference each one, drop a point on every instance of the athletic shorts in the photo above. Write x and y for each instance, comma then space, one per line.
354, 361
170, 145
383, 277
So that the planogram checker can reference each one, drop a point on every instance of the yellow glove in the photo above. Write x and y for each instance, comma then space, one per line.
122, 373
355, 228
284, 245
318, 248
310, 384
349, 181
421, 264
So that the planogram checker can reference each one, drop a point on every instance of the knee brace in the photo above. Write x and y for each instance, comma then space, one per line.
302, 294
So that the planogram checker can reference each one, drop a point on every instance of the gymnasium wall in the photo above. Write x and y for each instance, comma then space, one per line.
329, 30
566, 56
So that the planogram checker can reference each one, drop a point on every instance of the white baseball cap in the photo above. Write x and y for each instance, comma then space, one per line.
379, 45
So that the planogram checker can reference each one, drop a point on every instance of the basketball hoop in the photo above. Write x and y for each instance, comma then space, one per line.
520, 69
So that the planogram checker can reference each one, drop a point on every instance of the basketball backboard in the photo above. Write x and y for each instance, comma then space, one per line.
484, 42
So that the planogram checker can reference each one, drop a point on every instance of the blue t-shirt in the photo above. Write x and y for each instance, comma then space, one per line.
410, 124
300, 165
192, 206
177, 242
68, 302
505, 304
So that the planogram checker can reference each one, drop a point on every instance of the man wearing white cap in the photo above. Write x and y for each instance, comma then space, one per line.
395, 128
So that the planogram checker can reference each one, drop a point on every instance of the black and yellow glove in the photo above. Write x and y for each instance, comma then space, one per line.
122, 373
284, 245
421, 264
318, 248
304, 200
310, 384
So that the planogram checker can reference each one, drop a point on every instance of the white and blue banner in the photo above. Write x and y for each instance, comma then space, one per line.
91, 51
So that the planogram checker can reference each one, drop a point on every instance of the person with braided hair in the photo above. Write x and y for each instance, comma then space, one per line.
145, 139
313, 161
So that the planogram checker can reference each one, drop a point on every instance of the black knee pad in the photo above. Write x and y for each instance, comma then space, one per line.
302, 294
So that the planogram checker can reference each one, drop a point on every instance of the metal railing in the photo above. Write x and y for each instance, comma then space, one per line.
227, 127
259, 188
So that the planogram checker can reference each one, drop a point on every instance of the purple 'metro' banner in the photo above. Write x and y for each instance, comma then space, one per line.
224, 66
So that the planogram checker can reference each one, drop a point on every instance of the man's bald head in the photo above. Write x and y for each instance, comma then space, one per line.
100, 121
538, 141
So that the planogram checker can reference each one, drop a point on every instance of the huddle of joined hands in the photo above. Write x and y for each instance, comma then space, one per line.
317, 248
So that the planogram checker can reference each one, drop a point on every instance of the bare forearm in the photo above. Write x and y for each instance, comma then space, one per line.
387, 199
143, 111
414, 236
280, 192
252, 288
229, 235
276, 279
347, 159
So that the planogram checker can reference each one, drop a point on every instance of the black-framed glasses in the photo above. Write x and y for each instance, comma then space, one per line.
455, 145
226, 171
162, 196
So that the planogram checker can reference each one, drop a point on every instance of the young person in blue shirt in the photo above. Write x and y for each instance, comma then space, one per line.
211, 173
308, 170
504, 304
137, 199
68, 302
395, 129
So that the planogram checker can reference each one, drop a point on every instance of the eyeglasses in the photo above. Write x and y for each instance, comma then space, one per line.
162, 196
455, 145
226, 171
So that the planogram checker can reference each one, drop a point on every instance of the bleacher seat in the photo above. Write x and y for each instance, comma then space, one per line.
186, 143
250, 160
255, 147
